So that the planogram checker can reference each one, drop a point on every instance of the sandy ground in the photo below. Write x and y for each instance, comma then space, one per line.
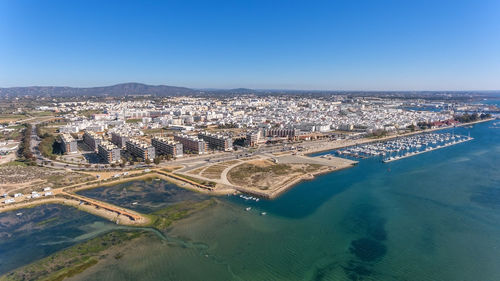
7, 158
270, 185
277, 184
112, 216
108, 175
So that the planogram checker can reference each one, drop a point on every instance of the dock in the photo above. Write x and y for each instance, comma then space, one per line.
410, 154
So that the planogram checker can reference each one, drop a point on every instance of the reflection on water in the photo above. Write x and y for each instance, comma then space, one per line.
31, 234
143, 196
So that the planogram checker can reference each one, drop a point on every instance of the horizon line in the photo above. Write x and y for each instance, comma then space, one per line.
259, 89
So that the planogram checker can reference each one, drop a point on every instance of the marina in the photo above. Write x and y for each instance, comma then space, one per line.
409, 154
404, 147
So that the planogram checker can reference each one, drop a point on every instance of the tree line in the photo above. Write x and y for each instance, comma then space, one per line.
466, 118
25, 147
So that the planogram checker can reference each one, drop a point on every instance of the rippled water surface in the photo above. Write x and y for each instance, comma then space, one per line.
143, 196
435, 216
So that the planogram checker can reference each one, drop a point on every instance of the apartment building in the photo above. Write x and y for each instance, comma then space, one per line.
69, 145
192, 144
140, 149
109, 152
119, 139
288, 133
92, 139
164, 146
252, 138
216, 141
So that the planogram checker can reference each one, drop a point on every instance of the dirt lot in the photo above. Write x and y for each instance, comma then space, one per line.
27, 178
266, 175
213, 172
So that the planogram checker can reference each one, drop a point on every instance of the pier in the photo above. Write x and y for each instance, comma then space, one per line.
410, 154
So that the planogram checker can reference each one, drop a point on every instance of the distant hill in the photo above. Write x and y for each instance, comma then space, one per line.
126, 89
115, 90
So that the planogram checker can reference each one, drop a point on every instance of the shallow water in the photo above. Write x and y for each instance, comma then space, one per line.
434, 216
143, 196
43, 230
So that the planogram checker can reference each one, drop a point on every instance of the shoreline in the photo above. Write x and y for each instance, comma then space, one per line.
193, 186
288, 184
308, 177
67, 196
71, 202
334, 146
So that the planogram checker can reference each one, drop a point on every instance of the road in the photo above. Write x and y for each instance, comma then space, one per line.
185, 161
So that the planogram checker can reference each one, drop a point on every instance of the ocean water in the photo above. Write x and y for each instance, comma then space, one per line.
435, 216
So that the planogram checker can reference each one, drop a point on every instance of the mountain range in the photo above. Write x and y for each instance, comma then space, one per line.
123, 89
128, 89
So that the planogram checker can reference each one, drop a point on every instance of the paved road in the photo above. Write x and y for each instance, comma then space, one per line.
212, 158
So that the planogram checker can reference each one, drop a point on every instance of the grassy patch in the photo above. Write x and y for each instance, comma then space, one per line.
73, 260
163, 218
88, 113
46, 146
16, 163
230, 162
47, 221
196, 180
261, 176
130, 121
247, 170
72, 271
196, 171
213, 172
41, 113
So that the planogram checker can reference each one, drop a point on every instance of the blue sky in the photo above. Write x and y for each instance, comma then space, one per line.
337, 45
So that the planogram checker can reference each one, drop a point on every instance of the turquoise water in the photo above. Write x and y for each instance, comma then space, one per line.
435, 216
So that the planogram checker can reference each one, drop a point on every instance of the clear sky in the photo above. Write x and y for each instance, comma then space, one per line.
336, 45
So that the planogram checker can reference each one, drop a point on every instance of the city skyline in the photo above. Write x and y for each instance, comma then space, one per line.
388, 45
